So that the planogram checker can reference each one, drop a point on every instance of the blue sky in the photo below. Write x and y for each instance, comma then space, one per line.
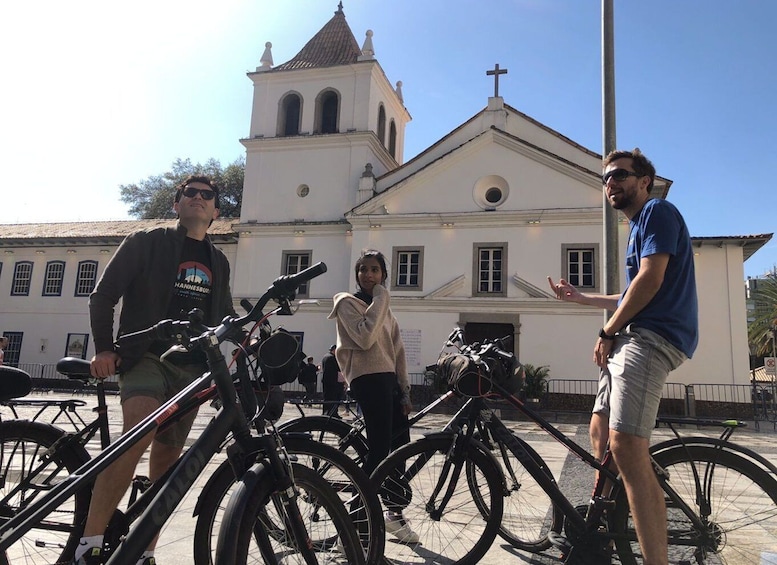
98, 94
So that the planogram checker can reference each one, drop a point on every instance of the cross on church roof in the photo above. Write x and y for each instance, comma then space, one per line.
496, 72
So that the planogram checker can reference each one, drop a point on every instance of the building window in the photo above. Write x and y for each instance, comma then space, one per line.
22, 276
382, 125
408, 268
86, 279
289, 115
580, 265
490, 269
327, 109
55, 274
294, 262
12, 351
392, 146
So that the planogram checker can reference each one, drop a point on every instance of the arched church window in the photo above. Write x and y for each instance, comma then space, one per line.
392, 147
289, 115
327, 112
382, 125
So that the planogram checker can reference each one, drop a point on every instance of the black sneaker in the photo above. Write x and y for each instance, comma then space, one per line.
93, 556
149, 561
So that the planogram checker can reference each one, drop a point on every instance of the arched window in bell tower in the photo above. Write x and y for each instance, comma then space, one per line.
392, 144
382, 125
327, 112
289, 114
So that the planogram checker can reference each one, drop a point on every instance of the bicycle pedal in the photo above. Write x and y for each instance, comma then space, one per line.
560, 541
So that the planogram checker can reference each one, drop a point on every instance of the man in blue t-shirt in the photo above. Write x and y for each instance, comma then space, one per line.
653, 329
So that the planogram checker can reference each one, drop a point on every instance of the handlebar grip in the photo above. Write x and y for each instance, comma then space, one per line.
246, 304
290, 283
162, 330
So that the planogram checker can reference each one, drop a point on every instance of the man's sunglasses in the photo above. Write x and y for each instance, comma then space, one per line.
619, 175
191, 192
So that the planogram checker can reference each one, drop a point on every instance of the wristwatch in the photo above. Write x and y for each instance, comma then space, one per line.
605, 335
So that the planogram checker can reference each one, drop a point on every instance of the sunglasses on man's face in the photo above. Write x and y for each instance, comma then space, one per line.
191, 192
619, 175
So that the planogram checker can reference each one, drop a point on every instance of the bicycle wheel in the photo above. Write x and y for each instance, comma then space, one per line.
332, 536
423, 481
741, 520
331, 431
529, 513
344, 475
28, 472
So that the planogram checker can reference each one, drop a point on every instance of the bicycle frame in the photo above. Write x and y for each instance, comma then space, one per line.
229, 419
590, 522
171, 492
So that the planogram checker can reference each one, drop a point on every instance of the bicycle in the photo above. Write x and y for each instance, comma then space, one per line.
526, 519
721, 497
262, 455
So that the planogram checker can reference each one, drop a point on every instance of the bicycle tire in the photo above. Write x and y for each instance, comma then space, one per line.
331, 431
316, 495
461, 533
743, 509
341, 472
24, 477
529, 513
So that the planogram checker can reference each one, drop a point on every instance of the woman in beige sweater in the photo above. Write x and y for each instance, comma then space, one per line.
371, 355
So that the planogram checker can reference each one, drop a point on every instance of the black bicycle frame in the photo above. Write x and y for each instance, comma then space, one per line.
229, 419
549, 485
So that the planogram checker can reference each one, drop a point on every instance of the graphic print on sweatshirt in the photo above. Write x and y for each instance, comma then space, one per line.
193, 283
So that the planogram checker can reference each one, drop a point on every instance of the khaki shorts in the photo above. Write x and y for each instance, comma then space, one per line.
161, 380
631, 386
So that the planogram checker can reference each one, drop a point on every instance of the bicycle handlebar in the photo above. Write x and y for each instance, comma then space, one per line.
282, 289
164, 330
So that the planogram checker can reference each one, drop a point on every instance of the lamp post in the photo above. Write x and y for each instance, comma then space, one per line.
773, 331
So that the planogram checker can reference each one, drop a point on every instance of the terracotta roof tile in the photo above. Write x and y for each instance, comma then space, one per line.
95, 230
333, 45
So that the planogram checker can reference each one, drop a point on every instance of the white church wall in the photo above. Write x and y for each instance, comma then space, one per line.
722, 356
562, 341
446, 186
46, 321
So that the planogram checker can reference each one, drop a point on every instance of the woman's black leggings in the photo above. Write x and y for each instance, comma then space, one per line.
379, 395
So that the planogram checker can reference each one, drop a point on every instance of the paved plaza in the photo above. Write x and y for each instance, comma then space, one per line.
574, 477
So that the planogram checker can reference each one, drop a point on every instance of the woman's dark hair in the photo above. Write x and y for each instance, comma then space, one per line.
371, 254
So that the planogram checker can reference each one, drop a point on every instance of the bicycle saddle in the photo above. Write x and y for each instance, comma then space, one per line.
14, 383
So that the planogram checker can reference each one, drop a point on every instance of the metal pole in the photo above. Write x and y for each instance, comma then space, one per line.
773, 399
610, 216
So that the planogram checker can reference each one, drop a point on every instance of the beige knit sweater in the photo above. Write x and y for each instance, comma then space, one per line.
368, 339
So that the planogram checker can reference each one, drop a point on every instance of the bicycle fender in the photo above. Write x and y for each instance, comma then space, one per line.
228, 533
726, 445
216, 478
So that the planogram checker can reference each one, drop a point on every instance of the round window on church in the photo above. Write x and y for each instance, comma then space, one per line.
490, 192
493, 195
303, 190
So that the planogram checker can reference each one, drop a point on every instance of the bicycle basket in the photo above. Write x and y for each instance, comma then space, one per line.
475, 377
280, 357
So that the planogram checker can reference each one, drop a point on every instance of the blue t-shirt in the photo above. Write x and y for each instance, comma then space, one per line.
673, 313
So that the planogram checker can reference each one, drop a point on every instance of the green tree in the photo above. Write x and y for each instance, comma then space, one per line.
153, 197
760, 331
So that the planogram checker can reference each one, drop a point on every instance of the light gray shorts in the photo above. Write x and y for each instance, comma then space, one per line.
161, 380
631, 386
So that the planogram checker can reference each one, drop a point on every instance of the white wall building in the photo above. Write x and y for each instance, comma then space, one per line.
471, 226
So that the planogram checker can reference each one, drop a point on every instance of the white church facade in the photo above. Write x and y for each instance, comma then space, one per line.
471, 226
